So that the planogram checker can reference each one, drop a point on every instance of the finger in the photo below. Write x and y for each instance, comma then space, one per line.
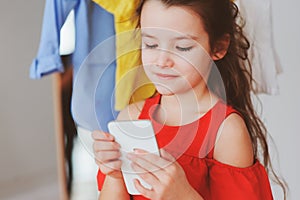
105, 146
102, 136
148, 177
152, 158
110, 167
144, 191
164, 154
144, 161
105, 156
148, 166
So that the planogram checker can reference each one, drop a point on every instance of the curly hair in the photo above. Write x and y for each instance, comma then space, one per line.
221, 17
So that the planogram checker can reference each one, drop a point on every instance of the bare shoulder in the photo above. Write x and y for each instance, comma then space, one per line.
132, 111
233, 145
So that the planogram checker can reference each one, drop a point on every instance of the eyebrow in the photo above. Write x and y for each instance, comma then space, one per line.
184, 37
147, 35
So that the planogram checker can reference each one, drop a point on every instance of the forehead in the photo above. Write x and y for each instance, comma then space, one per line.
179, 19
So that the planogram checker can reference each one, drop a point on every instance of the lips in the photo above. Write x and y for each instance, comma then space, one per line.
166, 76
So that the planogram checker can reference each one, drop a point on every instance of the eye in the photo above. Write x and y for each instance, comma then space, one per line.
150, 46
184, 48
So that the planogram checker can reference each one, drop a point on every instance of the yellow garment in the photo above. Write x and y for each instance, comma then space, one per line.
131, 83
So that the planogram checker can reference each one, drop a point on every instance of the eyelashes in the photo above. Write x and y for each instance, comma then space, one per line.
154, 46
150, 46
184, 48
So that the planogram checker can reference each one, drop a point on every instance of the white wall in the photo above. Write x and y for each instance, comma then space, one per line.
281, 113
27, 143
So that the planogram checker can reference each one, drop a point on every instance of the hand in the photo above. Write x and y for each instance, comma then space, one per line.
107, 154
164, 174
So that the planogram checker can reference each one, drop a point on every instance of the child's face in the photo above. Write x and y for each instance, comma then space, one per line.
175, 48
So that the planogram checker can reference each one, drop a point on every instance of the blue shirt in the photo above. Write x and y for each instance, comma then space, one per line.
93, 59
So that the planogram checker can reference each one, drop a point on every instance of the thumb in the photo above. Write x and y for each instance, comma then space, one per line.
164, 154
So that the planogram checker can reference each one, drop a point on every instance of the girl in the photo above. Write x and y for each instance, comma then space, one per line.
203, 116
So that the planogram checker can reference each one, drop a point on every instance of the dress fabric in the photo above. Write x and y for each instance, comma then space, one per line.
93, 59
132, 84
193, 151
97, 75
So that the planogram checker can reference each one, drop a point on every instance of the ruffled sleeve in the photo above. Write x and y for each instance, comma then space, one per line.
229, 182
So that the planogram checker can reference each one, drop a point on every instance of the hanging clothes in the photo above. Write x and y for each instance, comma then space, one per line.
93, 83
94, 100
262, 54
131, 83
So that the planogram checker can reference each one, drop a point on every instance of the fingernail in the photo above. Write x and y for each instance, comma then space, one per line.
108, 136
136, 150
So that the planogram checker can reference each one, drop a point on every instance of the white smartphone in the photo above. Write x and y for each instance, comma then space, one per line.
131, 135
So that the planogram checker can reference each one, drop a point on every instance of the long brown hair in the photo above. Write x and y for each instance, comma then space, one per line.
221, 17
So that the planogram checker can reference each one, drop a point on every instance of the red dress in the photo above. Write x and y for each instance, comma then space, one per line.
192, 145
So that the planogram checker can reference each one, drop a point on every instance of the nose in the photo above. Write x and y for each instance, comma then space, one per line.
164, 59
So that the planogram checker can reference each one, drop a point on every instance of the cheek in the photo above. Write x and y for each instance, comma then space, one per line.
147, 61
148, 57
199, 62
187, 64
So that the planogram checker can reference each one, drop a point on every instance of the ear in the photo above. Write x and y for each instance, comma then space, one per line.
221, 47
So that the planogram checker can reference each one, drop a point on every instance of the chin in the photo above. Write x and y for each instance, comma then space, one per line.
164, 91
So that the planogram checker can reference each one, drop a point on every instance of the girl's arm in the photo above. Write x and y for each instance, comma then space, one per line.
114, 189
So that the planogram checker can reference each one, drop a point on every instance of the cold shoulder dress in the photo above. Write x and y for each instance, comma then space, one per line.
192, 146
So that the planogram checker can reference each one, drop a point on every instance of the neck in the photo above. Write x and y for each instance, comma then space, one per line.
183, 108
